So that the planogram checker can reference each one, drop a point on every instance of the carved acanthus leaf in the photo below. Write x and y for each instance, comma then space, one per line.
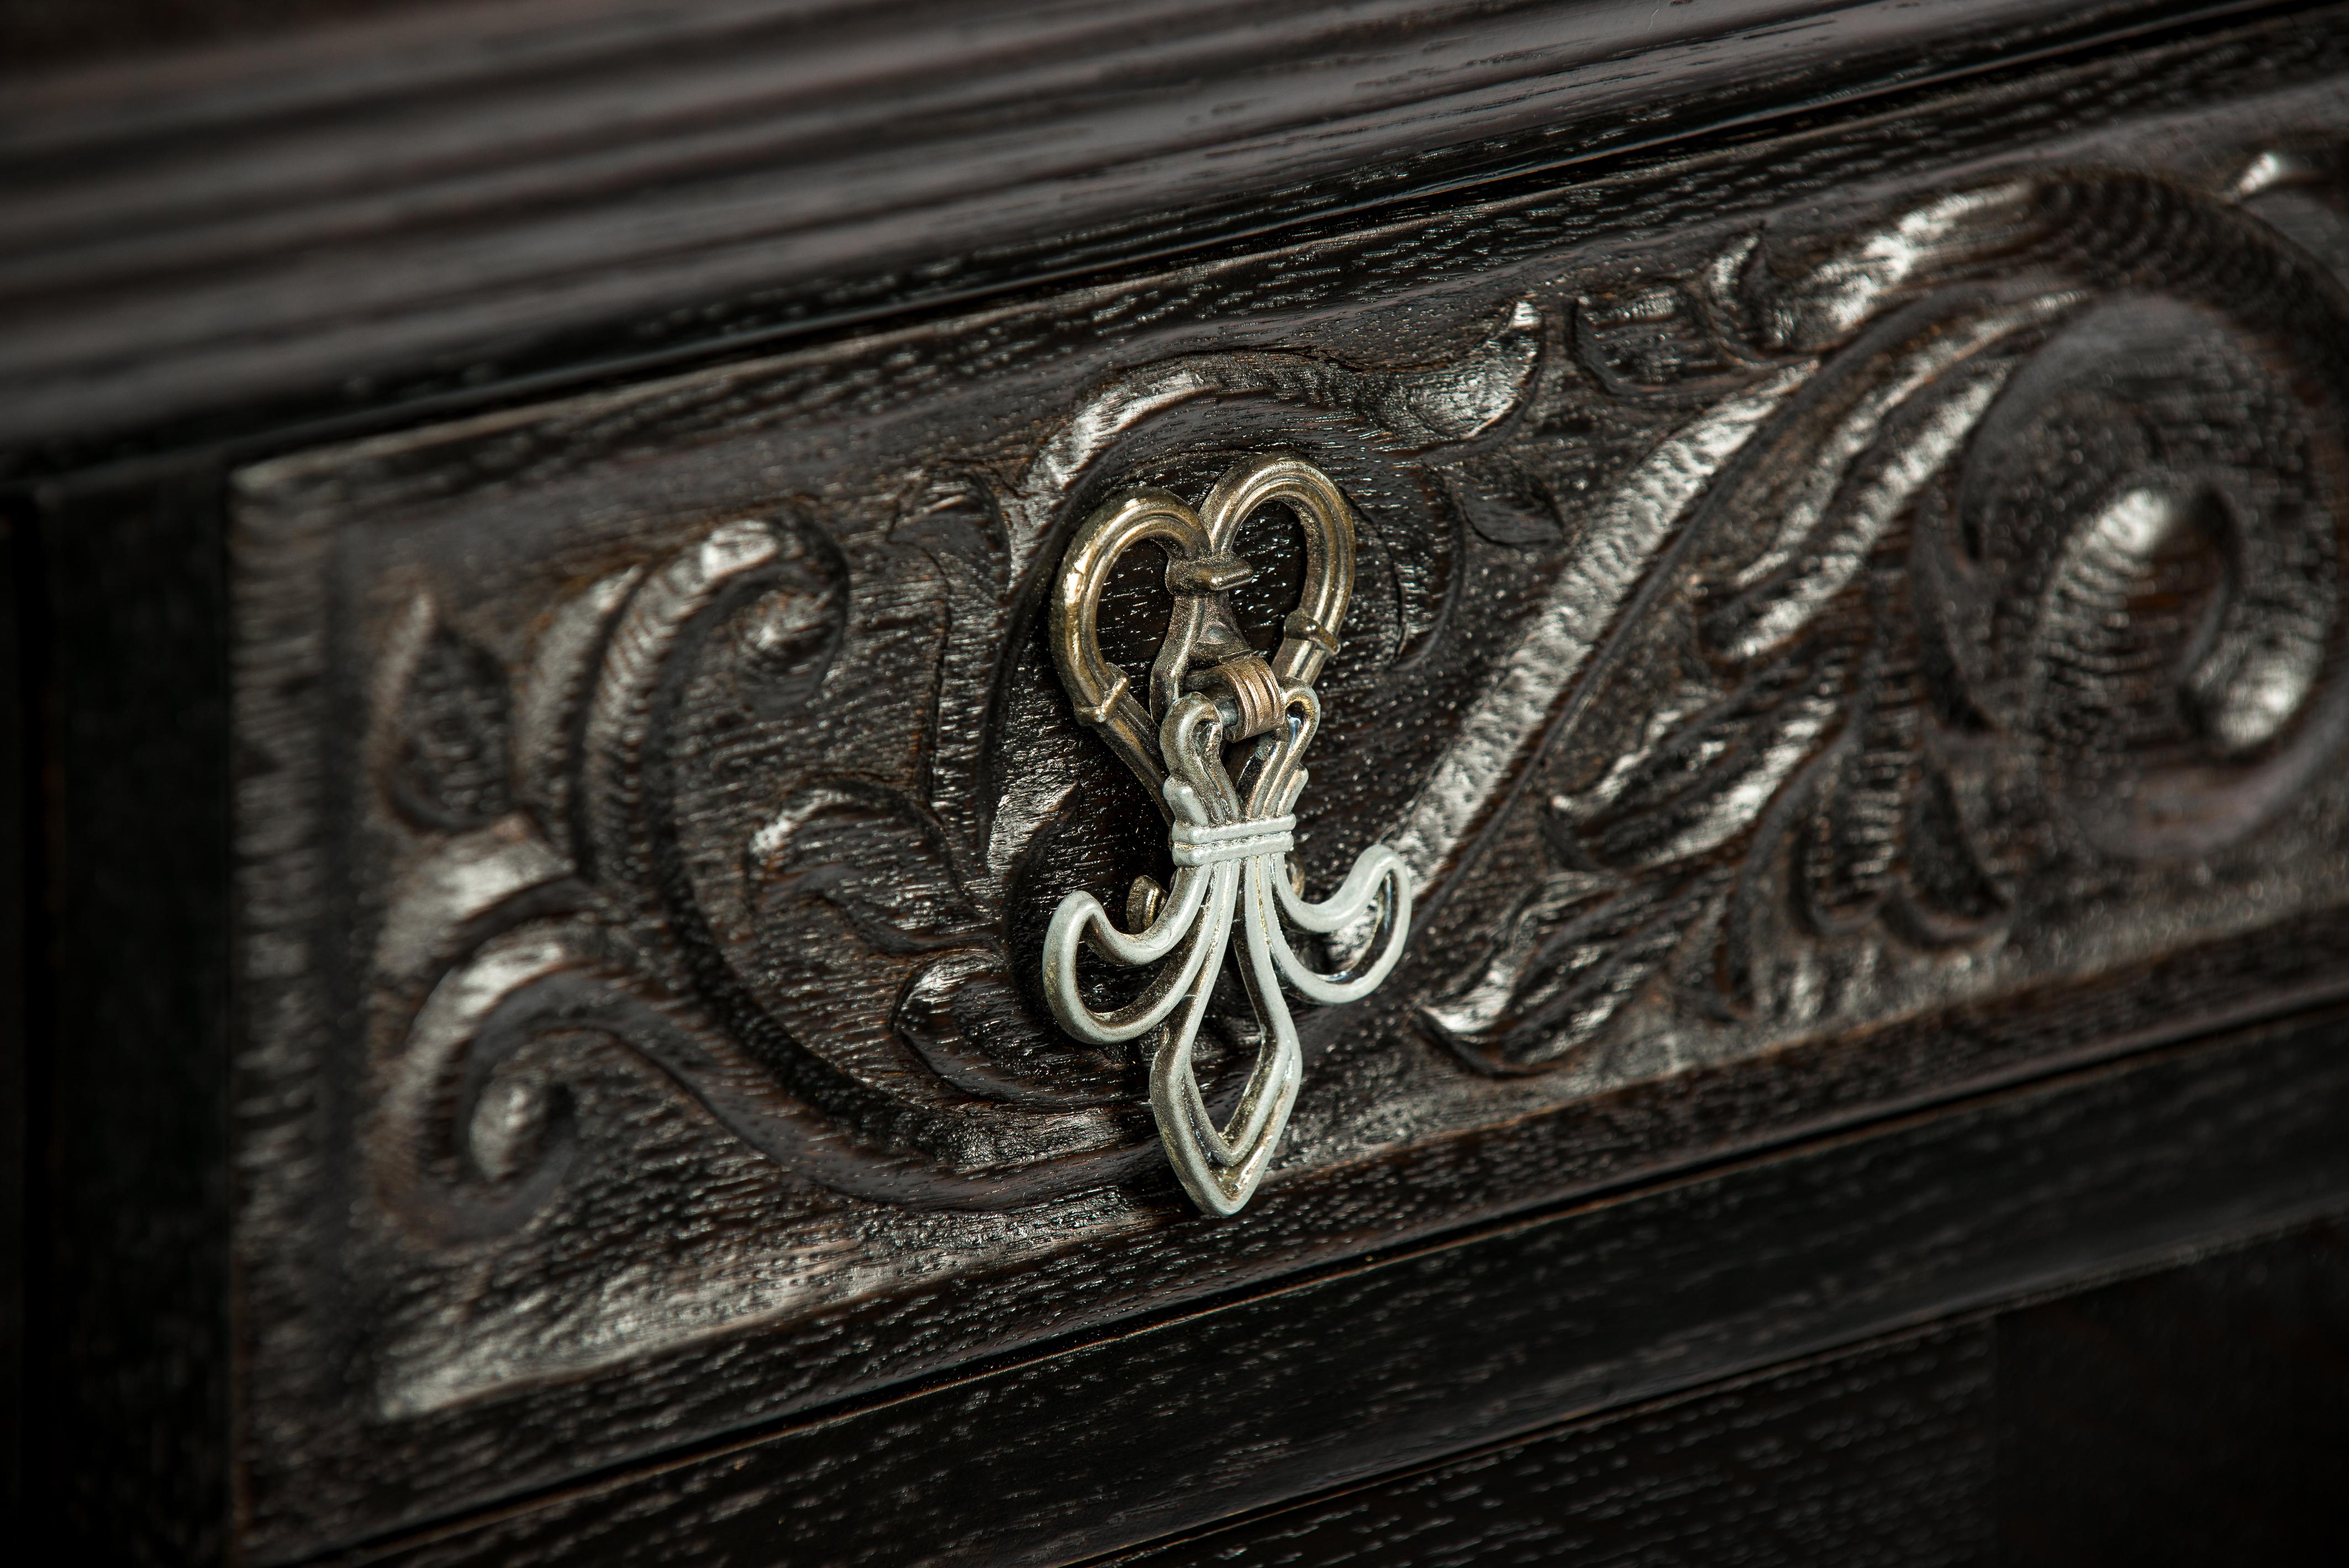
807, 919
2001, 583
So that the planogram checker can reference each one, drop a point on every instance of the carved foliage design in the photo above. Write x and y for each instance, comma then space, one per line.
797, 885
1861, 579
2033, 561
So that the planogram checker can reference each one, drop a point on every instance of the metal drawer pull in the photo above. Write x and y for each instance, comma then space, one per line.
1230, 837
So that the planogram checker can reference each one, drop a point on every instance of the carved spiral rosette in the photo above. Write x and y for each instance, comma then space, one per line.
2010, 574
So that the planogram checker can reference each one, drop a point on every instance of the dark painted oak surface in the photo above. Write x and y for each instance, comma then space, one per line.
1409, 1357
1884, 1456
531, 1045
1844, 620
2188, 1416
457, 194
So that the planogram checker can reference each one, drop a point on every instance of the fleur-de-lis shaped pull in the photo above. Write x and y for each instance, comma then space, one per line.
1230, 835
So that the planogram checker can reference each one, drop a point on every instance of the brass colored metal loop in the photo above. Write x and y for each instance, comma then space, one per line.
1215, 574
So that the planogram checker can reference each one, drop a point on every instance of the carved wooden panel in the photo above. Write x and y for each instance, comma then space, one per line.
1835, 623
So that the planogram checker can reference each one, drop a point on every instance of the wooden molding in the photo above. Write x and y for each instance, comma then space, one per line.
346, 220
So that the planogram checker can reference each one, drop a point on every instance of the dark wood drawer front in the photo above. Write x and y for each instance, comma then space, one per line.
2023, 1438
1412, 1356
1840, 622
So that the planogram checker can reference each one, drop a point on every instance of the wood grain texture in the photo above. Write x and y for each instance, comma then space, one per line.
1883, 1456
2200, 1414
42, 37
1410, 1357
649, 797
455, 195
677, 1268
2192, 1415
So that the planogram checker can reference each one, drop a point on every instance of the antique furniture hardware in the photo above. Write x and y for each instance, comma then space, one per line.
1230, 835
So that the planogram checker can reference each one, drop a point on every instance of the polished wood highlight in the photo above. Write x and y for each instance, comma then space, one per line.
457, 194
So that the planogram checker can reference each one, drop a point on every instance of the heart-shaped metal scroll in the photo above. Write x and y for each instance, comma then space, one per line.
1230, 835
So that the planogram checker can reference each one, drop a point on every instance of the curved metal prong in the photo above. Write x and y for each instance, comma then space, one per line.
1230, 838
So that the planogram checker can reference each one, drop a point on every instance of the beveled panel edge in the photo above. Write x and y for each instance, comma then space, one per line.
1406, 1360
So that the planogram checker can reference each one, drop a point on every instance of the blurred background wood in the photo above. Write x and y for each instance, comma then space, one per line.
326, 221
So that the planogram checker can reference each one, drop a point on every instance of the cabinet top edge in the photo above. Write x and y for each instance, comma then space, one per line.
456, 196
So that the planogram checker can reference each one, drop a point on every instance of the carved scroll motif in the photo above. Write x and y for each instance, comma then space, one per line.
840, 991
1883, 601
2020, 556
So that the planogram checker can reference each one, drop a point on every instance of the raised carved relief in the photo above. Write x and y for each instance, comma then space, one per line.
1986, 556
1806, 624
2023, 580
808, 914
